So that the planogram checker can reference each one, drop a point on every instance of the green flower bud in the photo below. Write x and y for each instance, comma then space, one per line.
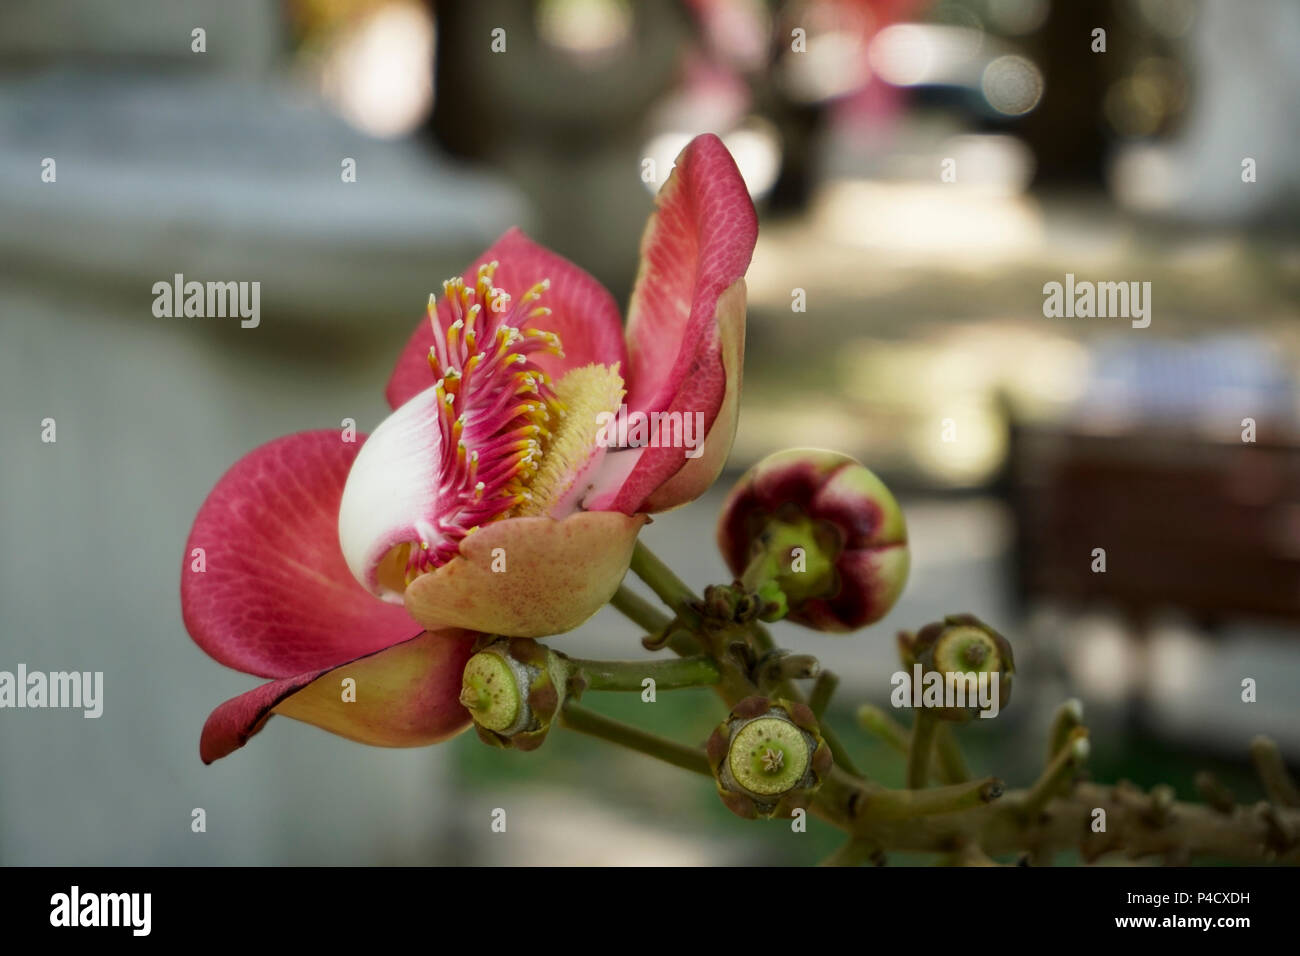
768, 757
963, 644
513, 688
720, 602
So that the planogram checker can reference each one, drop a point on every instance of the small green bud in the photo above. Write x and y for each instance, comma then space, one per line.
768, 757
490, 691
720, 602
962, 644
513, 688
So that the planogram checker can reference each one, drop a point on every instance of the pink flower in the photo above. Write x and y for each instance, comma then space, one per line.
488, 500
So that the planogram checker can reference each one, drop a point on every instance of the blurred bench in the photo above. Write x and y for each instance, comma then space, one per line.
1208, 527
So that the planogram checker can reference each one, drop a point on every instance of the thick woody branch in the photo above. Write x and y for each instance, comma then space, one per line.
1136, 825
969, 824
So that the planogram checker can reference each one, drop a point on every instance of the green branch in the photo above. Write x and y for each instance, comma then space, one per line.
904, 804
660, 579
584, 721
1058, 773
668, 674
640, 611
918, 755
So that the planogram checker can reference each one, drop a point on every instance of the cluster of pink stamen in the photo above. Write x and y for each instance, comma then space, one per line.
495, 411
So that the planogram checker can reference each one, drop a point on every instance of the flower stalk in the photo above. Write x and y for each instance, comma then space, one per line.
885, 728
823, 689
661, 579
919, 750
952, 761
670, 674
638, 610
585, 721
1059, 772
1068, 716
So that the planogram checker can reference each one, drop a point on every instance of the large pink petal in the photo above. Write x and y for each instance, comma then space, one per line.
698, 242
696, 247
665, 478
699, 474
583, 314
406, 695
275, 597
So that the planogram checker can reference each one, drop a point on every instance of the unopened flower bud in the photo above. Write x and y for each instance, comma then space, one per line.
768, 757
720, 602
513, 688
962, 644
824, 531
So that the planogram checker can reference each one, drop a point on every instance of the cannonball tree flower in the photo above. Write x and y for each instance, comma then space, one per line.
489, 500
492, 498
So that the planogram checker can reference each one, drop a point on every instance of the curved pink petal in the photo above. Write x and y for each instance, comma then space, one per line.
274, 597
698, 242
583, 314
406, 695
696, 247
669, 479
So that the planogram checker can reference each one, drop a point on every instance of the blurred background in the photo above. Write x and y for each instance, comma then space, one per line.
921, 171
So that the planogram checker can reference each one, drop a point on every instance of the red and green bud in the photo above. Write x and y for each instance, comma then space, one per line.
768, 758
822, 532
